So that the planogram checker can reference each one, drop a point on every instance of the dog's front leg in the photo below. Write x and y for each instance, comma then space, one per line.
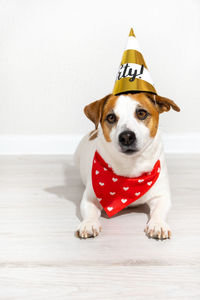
90, 212
157, 226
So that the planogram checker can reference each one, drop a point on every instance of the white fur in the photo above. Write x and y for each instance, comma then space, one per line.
150, 150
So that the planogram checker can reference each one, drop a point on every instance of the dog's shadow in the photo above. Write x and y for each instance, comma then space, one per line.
73, 191
73, 188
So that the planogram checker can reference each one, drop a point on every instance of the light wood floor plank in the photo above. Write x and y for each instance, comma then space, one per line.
40, 257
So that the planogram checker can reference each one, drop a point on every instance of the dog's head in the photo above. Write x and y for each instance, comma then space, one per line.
129, 121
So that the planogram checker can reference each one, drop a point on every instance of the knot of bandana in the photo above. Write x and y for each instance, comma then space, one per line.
116, 192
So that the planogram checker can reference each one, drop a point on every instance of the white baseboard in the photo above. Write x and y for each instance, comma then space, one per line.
66, 144
38, 144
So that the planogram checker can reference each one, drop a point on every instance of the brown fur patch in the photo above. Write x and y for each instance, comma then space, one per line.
164, 104
93, 134
153, 119
108, 108
94, 110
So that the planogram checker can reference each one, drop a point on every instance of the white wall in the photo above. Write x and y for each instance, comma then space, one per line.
57, 56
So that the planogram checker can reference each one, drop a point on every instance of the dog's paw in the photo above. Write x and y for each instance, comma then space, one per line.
88, 228
158, 229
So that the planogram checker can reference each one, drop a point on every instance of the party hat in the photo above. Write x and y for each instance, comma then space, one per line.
133, 74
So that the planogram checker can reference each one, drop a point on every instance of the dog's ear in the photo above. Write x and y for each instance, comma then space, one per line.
163, 104
94, 110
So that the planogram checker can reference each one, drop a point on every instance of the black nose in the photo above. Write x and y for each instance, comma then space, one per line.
127, 138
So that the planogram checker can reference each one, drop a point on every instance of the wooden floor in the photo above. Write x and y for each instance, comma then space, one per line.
41, 258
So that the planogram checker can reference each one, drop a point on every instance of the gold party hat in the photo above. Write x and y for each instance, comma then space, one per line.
133, 74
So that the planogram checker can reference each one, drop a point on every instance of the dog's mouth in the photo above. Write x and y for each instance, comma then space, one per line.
129, 151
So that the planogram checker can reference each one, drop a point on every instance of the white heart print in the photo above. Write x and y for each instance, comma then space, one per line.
140, 180
105, 169
114, 179
96, 172
99, 199
137, 194
109, 208
149, 183
126, 188
158, 170
101, 183
112, 193
123, 200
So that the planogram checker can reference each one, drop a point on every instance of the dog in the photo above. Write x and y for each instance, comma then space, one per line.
127, 137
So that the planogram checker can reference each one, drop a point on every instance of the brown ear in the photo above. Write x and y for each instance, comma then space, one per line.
94, 110
163, 104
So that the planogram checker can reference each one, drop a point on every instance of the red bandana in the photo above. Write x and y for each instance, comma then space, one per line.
115, 192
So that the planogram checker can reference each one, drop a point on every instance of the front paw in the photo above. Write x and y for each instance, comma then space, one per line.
158, 229
88, 228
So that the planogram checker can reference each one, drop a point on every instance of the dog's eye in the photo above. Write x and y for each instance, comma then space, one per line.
141, 114
111, 118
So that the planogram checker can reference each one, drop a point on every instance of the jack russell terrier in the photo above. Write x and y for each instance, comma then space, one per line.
122, 161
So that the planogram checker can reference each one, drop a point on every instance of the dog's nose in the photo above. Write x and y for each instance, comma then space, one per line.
127, 138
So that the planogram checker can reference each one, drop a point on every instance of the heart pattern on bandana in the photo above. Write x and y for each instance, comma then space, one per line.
125, 188
123, 200
140, 180
114, 179
112, 193
115, 192
137, 194
109, 208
